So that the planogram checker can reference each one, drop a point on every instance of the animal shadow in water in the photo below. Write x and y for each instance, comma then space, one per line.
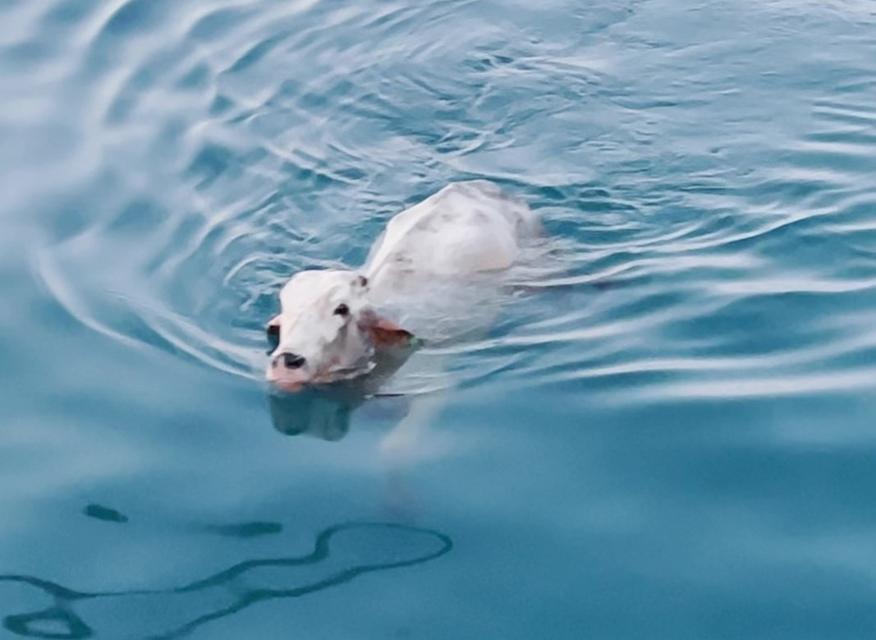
61, 621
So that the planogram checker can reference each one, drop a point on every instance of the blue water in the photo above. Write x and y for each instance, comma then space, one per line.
670, 433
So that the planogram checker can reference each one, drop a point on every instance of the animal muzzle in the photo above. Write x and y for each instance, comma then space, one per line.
288, 371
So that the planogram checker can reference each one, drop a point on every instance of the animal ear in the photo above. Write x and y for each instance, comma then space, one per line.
387, 333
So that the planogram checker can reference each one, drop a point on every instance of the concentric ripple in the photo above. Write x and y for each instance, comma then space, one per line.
708, 236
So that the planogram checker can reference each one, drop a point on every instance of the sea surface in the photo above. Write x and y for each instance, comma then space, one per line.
668, 432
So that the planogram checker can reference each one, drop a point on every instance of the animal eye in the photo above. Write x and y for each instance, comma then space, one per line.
272, 332
342, 310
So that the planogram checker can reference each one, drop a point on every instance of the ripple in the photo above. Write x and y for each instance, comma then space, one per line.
222, 148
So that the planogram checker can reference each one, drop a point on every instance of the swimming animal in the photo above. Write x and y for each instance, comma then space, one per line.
334, 324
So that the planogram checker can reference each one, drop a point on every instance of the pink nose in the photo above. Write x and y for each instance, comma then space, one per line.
288, 361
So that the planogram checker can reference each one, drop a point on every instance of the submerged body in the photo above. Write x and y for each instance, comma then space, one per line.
334, 322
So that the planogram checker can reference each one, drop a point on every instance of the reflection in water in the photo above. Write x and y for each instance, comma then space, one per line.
60, 620
325, 411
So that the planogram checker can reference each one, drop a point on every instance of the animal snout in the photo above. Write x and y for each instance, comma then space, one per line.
289, 361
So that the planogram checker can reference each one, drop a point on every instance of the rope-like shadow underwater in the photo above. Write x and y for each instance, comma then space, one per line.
60, 620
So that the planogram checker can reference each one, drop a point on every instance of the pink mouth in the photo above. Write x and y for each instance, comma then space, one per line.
294, 380
288, 387
288, 381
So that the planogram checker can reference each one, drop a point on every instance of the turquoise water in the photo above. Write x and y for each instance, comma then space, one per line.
668, 434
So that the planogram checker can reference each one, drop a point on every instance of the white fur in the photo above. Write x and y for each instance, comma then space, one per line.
465, 229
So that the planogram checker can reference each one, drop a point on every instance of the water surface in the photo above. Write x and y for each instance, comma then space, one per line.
667, 434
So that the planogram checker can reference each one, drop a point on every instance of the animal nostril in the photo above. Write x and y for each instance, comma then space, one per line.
291, 360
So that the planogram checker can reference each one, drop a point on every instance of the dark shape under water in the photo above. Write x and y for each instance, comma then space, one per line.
44, 623
246, 529
107, 514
